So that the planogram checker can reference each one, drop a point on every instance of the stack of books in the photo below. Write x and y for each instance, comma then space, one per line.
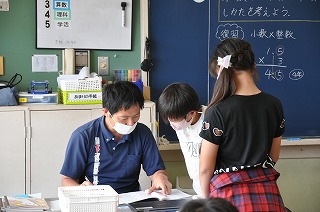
15, 204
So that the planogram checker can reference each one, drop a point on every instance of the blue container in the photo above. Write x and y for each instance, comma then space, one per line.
139, 83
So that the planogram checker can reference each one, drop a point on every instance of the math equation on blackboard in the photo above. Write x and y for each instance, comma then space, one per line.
274, 64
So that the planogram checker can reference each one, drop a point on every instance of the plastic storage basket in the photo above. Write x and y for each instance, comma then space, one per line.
86, 84
80, 91
80, 97
100, 198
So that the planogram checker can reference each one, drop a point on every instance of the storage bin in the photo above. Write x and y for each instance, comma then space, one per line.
86, 84
80, 91
100, 198
80, 97
25, 98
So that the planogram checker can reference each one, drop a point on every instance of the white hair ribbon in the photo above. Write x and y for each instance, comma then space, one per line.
223, 63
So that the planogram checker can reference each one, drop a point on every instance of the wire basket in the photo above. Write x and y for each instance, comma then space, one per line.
100, 198
86, 84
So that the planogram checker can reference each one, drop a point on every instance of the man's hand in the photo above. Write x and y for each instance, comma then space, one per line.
86, 183
160, 182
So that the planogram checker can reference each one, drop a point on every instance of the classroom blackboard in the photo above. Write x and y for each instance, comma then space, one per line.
82, 24
179, 43
284, 35
285, 39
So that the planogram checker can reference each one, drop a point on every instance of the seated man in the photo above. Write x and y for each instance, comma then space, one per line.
110, 150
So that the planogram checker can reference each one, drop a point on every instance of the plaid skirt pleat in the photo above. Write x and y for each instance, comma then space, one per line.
249, 189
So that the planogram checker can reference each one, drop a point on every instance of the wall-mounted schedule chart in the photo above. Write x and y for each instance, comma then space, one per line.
82, 24
285, 38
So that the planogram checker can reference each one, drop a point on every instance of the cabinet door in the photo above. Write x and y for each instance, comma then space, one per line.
51, 131
12, 156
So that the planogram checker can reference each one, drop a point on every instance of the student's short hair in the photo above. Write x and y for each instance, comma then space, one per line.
208, 205
177, 100
121, 95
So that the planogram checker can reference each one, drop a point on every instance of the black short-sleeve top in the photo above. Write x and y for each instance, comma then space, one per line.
244, 128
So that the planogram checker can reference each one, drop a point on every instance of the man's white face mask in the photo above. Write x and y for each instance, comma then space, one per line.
122, 128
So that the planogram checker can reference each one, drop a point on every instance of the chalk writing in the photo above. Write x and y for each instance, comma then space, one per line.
229, 31
275, 68
256, 12
260, 11
277, 34
296, 74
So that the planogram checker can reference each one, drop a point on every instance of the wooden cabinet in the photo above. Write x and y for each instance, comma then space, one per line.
33, 141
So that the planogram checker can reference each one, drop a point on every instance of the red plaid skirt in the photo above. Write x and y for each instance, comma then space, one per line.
249, 189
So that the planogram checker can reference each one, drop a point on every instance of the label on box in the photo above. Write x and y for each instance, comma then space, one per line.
84, 96
23, 100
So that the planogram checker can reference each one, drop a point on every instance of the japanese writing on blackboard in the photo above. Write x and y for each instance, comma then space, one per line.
249, 19
234, 30
258, 10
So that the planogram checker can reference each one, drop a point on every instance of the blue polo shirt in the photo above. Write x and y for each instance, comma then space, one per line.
93, 152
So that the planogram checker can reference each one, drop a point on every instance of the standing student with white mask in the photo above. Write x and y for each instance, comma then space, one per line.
179, 105
111, 149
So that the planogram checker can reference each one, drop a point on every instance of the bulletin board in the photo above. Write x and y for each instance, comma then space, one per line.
83, 24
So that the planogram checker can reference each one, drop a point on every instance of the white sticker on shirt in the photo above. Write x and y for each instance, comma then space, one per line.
205, 125
282, 123
217, 132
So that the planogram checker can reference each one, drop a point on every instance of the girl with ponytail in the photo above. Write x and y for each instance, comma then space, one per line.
241, 133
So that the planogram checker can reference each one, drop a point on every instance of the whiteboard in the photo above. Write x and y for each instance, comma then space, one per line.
84, 24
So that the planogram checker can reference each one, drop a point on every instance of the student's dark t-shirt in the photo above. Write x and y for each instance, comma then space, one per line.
244, 128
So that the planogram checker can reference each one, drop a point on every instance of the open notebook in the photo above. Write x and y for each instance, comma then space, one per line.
136, 196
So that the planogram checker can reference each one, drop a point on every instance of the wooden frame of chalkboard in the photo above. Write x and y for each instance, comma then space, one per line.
81, 24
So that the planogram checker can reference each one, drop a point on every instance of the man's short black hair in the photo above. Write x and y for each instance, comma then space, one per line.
121, 95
